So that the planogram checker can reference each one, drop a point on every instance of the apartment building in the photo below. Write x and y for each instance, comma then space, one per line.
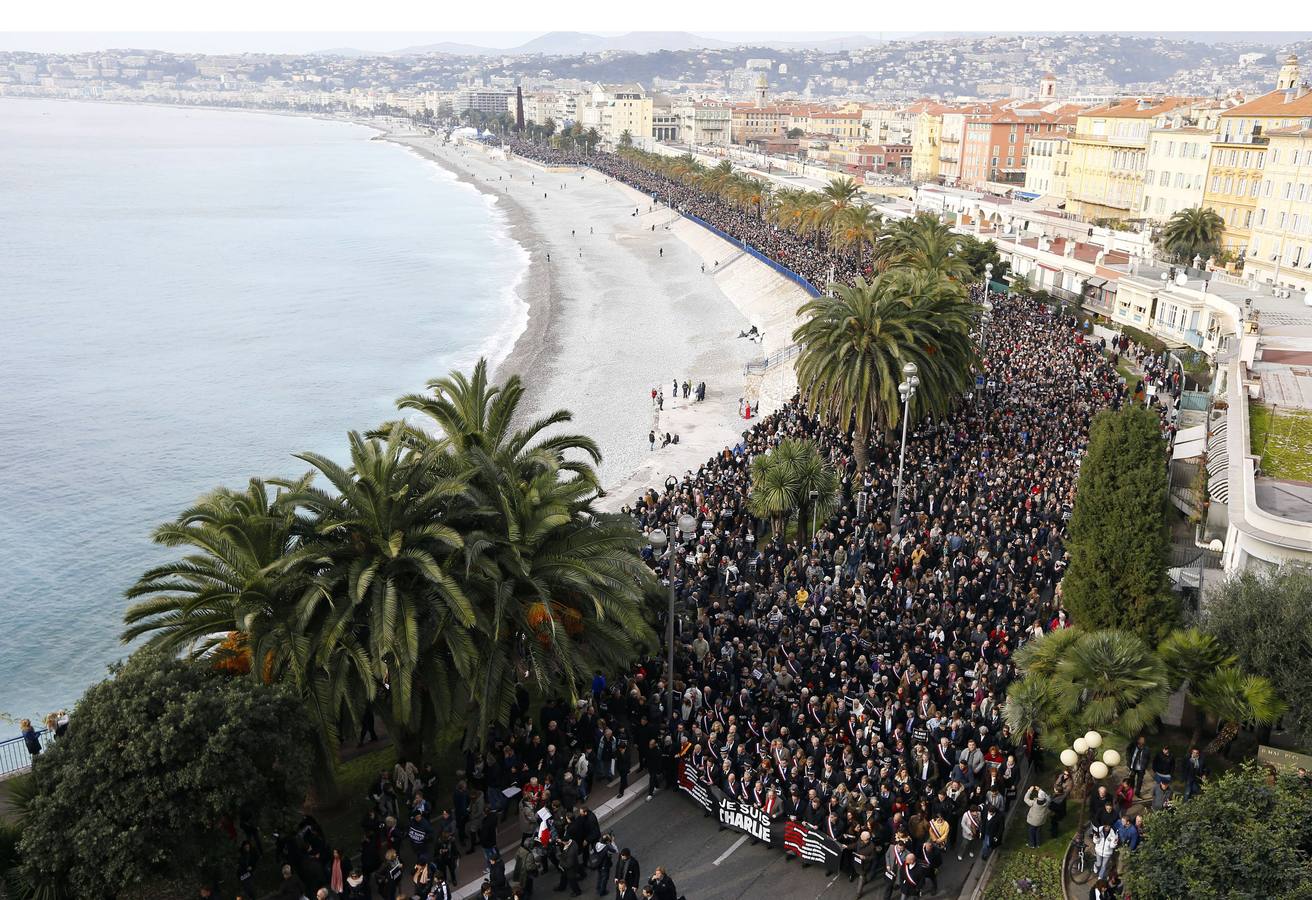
1177, 170
1239, 155
1280, 252
1046, 165
1109, 155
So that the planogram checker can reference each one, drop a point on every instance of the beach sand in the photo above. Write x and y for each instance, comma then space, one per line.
610, 318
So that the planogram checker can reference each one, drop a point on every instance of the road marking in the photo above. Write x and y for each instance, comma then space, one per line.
725, 855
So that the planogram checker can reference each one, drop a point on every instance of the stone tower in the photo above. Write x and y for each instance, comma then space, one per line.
1288, 77
1048, 86
762, 88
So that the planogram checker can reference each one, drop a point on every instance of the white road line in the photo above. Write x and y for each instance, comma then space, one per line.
725, 855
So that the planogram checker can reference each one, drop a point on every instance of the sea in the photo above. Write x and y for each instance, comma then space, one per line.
187, 298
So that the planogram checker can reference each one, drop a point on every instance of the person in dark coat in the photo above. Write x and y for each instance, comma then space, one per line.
663, 885
571, 867
627, 870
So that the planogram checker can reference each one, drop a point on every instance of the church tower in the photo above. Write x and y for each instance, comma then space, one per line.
1288, 77
1048, 86
762, 88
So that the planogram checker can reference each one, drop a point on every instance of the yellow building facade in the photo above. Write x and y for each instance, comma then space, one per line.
1280, 250
926, 133
1109, 156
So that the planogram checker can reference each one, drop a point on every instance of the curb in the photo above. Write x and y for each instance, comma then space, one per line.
606, 810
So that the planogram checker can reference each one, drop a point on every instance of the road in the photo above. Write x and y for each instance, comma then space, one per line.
709, 864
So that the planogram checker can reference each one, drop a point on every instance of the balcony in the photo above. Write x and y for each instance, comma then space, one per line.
949, 139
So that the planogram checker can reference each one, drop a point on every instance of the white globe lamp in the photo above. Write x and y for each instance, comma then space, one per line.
1111, 758
1081, 746
1069, 757
1093, 739
1097, 769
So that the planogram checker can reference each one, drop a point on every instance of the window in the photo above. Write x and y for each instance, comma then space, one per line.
1252, 190
1165, 180
1243, 159
1288, 185
1216, 184
1011, 138
1281, 222
1161, 205
1147, 202
1266, 188
1248, 218
1170, 149
1179, 179
1261, 216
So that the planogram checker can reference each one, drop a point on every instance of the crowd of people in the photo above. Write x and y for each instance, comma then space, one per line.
856, 680
801, 254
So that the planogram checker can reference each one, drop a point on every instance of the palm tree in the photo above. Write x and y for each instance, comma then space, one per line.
925, 243
856, 228
1236, 699
855, 343
244, 598
558, 589
386, 549
1074, 681
1193, 232
1191, 656
626, 138
784, 479
835, 197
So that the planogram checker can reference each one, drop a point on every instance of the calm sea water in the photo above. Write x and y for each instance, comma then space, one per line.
187, 297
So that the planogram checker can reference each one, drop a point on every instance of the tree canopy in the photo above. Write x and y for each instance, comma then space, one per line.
1248, 836
1265, 619
156, 758
1118, 536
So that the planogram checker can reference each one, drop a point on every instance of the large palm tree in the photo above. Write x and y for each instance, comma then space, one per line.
837, 196
246, 591
1191, 232
925, 243
855, 344
558, 589
387, 548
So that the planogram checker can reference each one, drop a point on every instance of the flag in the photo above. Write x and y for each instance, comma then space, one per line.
809, 843
693, 787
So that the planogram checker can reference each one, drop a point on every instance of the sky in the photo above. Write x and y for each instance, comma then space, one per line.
298, 26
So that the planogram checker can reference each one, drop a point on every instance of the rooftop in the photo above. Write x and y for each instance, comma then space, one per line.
1139, 108
1275, 103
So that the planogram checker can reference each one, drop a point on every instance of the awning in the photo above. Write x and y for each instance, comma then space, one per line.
1095, 282
1192, 433
1188, 449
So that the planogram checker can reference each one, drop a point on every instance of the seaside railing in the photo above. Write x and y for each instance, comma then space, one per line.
14, 757
774, 359
748, 248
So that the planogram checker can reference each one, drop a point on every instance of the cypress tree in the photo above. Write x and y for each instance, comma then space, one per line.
1118, 537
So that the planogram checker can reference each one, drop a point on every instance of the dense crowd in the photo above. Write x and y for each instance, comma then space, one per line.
856, 680
802, 255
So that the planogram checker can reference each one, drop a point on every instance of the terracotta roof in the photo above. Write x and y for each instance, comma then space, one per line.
1291, 131
1273, 103
1129, 108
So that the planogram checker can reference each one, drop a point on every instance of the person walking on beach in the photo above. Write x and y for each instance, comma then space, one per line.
651, 439
674, 391
740, 407
662, 252
660, 400
653, 396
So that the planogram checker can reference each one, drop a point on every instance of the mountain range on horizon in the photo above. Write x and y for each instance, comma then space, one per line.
575, 43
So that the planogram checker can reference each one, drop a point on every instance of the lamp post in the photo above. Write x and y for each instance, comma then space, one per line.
906, 390
671, 544
988, 279
1081, 757
984, 319
815, 495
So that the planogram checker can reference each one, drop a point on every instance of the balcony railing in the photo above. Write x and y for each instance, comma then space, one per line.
14, 757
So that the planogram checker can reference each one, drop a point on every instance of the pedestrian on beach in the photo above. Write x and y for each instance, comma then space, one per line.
660, 399
651, 439
740, 406
674, 391
653, 396
662, 253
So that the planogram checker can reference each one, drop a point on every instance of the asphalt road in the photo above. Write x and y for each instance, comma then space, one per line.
709, 864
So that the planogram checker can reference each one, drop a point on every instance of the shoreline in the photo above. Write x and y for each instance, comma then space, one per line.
560, 335
534, 288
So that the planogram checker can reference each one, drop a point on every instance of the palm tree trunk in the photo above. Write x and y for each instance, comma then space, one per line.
861, 446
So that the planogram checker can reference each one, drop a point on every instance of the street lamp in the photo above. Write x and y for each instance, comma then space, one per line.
1081, 757
988, 278
659, 540
906, 390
